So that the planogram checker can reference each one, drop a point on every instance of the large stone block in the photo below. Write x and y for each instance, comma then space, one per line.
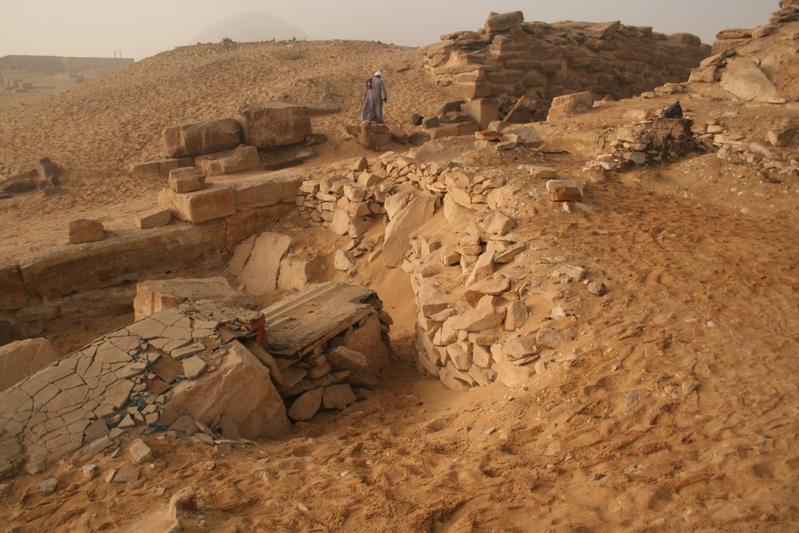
199, 206
24, 358
275, 124
250, 222
237, 160
128, 256
12, 291
202, 138
160, 167
86, 230
744, 79
374, 136
483, 111
240, 389
255, 190
570, 105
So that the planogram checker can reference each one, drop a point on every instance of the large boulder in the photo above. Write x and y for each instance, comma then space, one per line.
275, 124
744, 79
202, 138
419, 210
483, 111
241, 389
24, 358
237, 160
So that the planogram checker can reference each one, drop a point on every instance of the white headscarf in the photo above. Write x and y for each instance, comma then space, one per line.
378, 74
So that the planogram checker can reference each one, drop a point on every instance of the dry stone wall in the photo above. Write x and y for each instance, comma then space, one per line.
542, 61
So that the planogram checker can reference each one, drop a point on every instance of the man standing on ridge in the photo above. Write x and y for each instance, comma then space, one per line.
374, 96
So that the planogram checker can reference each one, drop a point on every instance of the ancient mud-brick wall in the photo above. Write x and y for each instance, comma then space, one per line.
510, 56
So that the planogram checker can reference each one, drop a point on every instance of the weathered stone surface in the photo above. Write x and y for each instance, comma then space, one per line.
501, 22
570, 105
343, 358
188, 179
199, 206
275, 124
153, 296
492, 286
419, 210
483, 268
306, 405
744, 79
193, 367
498, 223
139, 452
260, 275
161, 167
565, 190
202, 138
485, 315
296, 273
527, 135
258, 189
238, 159
241, 389
338, 397
374, 136
153, 218
24, 358
75, 269
483, 111
512, 375
341, 261
13, 295
85, 230
516, 317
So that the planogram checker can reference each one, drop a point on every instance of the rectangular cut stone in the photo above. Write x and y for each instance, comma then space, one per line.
200, 206
483, 111
203, 138
237, 160
254, 190
275, 124
68, 270
153, 218
250, 222
160, 167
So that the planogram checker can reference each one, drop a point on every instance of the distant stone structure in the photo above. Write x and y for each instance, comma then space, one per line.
512, 57
56, 64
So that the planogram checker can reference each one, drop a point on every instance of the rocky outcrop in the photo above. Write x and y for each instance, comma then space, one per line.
757, 65
510, 56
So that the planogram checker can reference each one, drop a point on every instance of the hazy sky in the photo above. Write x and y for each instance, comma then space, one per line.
141, 28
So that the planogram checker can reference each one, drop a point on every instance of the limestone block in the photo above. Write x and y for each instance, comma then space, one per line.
187, 179
500, 22
241, 389
483, 111
570, 105
239, 159
275, 124
199, 206
202, 138
153, 218
374, 136
744, 79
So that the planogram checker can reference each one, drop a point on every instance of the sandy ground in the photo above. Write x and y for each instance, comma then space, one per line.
675, 407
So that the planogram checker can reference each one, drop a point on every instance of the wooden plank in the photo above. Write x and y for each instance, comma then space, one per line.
519, 103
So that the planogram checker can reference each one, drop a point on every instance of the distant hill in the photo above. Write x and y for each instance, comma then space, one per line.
250, 27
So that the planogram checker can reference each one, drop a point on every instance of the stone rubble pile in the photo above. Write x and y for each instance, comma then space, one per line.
511, 56
647, 140
200, 370
777, 154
